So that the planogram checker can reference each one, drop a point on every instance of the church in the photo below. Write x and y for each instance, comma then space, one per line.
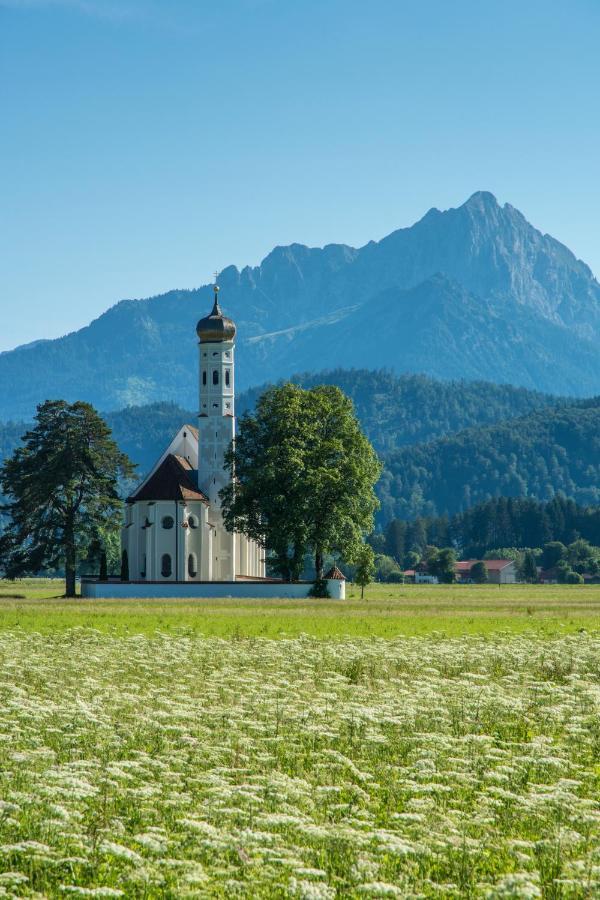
173, 529
174, 542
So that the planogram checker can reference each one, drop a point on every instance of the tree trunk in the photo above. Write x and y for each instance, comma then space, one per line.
319, 564
362, 592
70, 557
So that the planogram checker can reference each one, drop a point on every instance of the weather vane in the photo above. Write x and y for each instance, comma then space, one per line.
216, 280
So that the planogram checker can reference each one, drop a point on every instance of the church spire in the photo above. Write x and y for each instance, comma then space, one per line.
216, 310
216, 327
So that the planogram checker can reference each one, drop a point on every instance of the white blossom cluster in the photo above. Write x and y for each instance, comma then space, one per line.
177, 766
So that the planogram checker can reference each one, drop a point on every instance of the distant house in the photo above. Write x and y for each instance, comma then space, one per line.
500, 571
420, 575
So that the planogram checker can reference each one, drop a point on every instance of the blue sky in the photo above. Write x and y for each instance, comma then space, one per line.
144, 143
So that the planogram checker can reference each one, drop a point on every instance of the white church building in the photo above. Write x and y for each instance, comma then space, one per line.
173, 538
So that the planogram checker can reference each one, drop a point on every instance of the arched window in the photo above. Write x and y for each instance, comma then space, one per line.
204, 377
215, 377
165, 565
143, 572
192, 565
227, 377
193, 521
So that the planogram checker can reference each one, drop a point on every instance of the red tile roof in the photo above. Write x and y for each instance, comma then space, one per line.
334, 572
492, 565
171, 481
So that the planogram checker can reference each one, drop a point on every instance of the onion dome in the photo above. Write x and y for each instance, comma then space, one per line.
216, 327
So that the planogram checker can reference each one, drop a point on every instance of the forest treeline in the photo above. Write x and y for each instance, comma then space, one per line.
498, 524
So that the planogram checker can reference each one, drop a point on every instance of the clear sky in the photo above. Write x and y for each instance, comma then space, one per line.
144, 144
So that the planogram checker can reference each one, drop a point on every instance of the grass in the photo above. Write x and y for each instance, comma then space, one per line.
425, 742
387, 611
179, 766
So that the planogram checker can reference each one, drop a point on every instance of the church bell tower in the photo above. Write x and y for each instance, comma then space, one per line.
216, 427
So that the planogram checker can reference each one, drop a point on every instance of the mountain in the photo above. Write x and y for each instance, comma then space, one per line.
540, 454
396, 411
393, 411
472, 292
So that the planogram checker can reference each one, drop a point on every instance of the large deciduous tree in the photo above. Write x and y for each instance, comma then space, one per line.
303, 477
62, 488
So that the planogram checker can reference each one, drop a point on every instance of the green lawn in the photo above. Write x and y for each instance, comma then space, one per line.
386, 611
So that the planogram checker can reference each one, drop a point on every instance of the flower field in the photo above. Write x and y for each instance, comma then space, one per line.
182, 766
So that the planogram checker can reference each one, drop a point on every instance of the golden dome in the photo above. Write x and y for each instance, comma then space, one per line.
216, 327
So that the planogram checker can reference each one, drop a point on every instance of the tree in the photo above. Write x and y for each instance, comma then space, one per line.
552, 553
395, 540
563, 571
573, 578
302, 477
479, 573
442, 563
412, 559
365, 567
387, 569
62, 490
581, 555
529, 572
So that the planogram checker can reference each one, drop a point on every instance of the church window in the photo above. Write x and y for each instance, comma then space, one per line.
204, 377
192, 565
228, 405
166, 565
167, 522
143, 572
215, 405
227, 377
215, 353
193, 521
215, 377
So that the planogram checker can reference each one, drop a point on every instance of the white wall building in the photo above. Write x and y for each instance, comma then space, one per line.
173, 529
173, 535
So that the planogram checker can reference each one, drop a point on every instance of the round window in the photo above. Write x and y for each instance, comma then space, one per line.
167, 522
193, 521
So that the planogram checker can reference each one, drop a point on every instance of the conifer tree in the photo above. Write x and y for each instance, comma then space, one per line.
62, 490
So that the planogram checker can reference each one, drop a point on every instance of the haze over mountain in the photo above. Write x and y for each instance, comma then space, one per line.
472, 292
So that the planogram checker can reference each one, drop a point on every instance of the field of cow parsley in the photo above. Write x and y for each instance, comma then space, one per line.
177, 766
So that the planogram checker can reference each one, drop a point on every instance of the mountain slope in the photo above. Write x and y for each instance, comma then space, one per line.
471, 292
537, 455
393, 411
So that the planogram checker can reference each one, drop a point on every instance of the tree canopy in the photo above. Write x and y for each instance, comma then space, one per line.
62, 490
303, 477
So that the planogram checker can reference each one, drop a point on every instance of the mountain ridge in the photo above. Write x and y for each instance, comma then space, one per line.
473, 292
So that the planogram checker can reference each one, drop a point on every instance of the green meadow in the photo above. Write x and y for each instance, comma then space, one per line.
386, 611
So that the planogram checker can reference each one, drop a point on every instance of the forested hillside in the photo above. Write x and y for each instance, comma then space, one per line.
398, 410
445, 446
394, 411
538, 455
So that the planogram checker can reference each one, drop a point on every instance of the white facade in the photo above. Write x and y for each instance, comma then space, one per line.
173, 529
